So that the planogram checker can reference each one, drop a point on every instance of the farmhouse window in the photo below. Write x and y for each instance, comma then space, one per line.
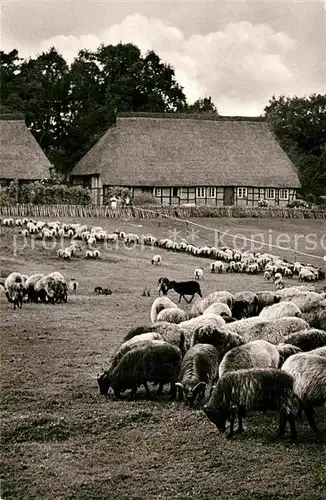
158, 192
270, 194
201, 192
211, 192
175, 192
242, 193
284, 194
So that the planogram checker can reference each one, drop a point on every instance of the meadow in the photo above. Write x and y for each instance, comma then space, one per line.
61, 440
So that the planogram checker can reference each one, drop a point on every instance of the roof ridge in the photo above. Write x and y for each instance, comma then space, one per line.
189, 116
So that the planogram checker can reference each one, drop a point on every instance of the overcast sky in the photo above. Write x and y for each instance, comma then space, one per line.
238, 52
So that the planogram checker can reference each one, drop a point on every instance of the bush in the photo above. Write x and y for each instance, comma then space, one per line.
43, 192
145, 199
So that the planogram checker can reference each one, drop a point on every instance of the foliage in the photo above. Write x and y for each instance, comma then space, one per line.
119, 192
299, 123
204, 105
40, 193
144, 199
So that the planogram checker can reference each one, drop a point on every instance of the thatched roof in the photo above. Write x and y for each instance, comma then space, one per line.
21, 157
154, 150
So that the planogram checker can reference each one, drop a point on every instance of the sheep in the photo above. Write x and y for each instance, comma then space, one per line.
15, 294
307, 340
155, 361
219, 337
157, 260
173, 334
266, 298
285, 351
73, 285
267, 275
213, 320
309, 374
172, 315
132, 344
98, 290
248, 390
198, 368
321, 351
218, 308
280, 310
138, 330
245, 305
158, 305
184, 288
51, 288
162, 285
255, 354
279, 284
96, 254
273, 331
89, 254
14, 277
221, 296
217, 266
30, 286
8, 222
199, 273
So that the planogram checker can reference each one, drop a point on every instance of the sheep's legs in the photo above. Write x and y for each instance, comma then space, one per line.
148, 392
240, 424
173, 391
232, 422
309, 411
160, 389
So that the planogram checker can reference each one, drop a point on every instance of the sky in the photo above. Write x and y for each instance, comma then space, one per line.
240, 53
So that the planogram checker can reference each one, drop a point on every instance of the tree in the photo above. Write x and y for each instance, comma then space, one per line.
299, 123
9, 70
202, 105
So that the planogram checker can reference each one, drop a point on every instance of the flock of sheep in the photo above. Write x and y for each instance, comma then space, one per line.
225, 259
230, 353
237, 352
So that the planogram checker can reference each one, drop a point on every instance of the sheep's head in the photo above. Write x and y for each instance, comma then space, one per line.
104, 383
190, 391
218, 416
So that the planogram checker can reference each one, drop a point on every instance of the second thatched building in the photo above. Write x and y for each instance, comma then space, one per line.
187, 159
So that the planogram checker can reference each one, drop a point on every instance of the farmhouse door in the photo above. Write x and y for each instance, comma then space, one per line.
228, 199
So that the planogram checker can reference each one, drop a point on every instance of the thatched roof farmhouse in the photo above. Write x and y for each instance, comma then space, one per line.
21, 157
190, 159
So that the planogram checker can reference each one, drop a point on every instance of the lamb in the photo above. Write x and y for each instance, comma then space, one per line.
159, 304
280, 310
307, 340
157, 362
217, 266
184, 288
198, 368
199, 273
309, 374
255, 354
157, 260
248, 390
73, 285
172, 315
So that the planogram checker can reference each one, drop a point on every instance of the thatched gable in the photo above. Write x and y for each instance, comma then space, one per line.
21, 157
154, 150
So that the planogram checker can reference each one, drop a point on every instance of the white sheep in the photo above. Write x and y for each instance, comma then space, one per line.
217, 266
8, 222
156, 260
88, 254
73, 285
199, 273
218, 308
96, 254
172, 315
280, 310
159, 304
267, 275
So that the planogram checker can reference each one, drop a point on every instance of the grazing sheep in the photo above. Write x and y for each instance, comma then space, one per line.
172, 315
220, 338
213, 320
222, 296
256, 389
106, 291
267, 275
218, 308
159, 304
217, 266
162, 285
98, 290
173, 334
273, 331
199, 273
266, 298
8, 222
156, 361
132, 343
280, 310
96, 254
15, 294
184, 288
198, 368
255, 354
309, 374
73, 285
321, 351
89, 254
279, 284
307, 340
285, 351
30, 286
245, 305
157, 259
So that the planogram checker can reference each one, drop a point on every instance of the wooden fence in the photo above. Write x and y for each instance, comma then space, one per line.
150, 212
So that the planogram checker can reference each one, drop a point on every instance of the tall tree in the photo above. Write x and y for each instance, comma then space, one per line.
9, 89
203, 105
299, 123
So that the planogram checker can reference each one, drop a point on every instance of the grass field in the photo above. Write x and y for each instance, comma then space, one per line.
62, 440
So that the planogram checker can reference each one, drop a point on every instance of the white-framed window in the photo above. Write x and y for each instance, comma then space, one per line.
158, 192
283, 194
201, 192
270, 194
242, 193
211, 192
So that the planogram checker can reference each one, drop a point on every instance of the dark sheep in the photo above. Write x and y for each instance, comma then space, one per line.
138, 330
15, 294
98, 290
307, 340
184, 288
255, 389
245, 305
220, 338
157, 362
199, 368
